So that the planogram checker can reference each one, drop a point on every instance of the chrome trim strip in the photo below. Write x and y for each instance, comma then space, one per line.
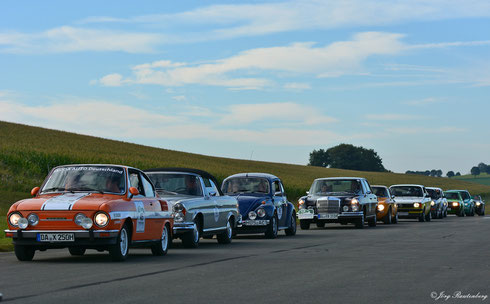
78, 233
214, 229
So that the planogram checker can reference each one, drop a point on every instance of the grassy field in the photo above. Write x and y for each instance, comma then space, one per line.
483, 178
28, 153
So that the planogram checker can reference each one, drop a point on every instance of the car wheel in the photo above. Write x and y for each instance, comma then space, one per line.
292, 227
372, 221
472, 213
227, 235
422, 216
271, 232
320, 224
304, 224
24, 253
161, 247
482, 212
445, 212
395, 218
119, 251
190, 239
428, 217
387, 219
360, 223
76, 251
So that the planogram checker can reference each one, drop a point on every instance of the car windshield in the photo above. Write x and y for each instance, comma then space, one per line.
434, 193
326, 186
452, 195
380, 191
246, 185
407, 191
176, 184
102, 179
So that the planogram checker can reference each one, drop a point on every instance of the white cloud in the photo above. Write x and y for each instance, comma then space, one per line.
425, 130
424, 101
297, 86
179, 98
111, 80
390, 117
67, 39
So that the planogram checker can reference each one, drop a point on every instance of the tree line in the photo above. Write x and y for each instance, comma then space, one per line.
479, 169
347, 156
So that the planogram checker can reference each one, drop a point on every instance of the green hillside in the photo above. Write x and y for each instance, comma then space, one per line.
27, 153
483, 178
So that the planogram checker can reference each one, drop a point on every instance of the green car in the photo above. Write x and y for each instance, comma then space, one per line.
460, 202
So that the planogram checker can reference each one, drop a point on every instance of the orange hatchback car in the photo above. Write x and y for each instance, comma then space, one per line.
102, 207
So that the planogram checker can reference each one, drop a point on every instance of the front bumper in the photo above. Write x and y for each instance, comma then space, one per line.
82, 238
340, 217
409, 213
183, 227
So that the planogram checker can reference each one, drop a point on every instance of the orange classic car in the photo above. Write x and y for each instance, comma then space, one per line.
102, 207
387, 210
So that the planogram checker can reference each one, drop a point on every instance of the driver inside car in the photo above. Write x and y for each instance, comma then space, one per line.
192, 185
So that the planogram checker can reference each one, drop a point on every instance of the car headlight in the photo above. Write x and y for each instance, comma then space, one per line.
14, 219
179, 217
87, 223
33, 219
354, 201
478, 203
432, 203
79, 218
346, 208
455, 204
301, 204
252, 215
381, 207
354, 205
416, 205
179, 207
260, 212
101, 219
22, 223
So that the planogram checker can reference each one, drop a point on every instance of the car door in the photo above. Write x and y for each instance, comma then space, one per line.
142, 206
280, 202
215, 218
152, 205
372, 199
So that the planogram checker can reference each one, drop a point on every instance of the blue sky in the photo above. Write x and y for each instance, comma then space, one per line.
261, 80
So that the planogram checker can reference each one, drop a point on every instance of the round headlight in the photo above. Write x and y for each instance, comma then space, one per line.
101, 219
23, 223
432, 203
354, 201
301, 204
178, 217
87, 223
33, 219
355, 208
252, 215
178, 207
478, 203
455, 204
381, 207
346, 208
14, 219
79, 218
416, 205
260, 212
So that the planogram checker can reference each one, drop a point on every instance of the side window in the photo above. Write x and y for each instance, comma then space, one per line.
364, 186
368, 187
282, 188
135, 181
149, 191
276, 187
210, 186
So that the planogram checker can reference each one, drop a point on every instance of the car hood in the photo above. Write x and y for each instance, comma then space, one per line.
66, 201
313, 198
174, 199
408, 199
248, 203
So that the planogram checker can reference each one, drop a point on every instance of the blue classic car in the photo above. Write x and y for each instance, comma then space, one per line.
262, 202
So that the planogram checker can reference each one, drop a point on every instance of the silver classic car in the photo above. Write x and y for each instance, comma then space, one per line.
199, 207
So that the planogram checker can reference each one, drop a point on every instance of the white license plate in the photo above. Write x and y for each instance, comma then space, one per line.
55, 237
306, 214
402, 213
328, 216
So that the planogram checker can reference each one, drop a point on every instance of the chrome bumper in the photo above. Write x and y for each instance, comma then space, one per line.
180, 228
79, 234
255, 222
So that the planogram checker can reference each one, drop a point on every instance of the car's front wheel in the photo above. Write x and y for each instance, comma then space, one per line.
422, 216
161, 247
119, 251
191, 239
292, 225
395, 218
76, 251
428, 216
387, 219
24, 253
360, 223
271, 232
227, 235
304, 224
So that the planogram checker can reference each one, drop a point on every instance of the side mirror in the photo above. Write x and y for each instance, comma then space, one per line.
278, 193
393, 197
307, 192
212, 193
134, 191
35, 191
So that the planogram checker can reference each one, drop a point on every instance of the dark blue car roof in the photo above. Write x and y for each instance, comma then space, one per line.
264, 175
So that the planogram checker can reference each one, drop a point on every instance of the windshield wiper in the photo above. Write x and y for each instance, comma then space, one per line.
54, 189
84, 189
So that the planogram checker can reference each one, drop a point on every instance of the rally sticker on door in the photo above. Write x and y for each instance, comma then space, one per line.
140, 211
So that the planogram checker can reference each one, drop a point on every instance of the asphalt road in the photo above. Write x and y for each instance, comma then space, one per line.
401, 263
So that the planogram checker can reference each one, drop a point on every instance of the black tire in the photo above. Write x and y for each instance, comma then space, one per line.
76, 251
441, 215
272, 229
24, 253
428, 216
304, 224
360, 223
372, 221
227, 235
472, 213
387, 219
119, 251
395, 218
422, 216
320, 224
161, 247
482, 212
292, 227
191, 239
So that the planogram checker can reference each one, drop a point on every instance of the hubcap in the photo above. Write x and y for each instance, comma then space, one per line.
228, 229
164, 238
124, 242
196, 234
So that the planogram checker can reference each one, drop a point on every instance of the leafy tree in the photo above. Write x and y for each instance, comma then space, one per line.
483, 167
475, 171
319, 158
458, 174
450, 174
347, 156
439, 173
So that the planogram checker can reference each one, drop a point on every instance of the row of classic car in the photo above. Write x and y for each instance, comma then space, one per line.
113, 207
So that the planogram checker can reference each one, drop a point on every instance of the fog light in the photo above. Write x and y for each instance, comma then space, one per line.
355, 208
87, 223
33, 219
79, 218
252, 215
346, 208
23, 223
381, 207
260, 212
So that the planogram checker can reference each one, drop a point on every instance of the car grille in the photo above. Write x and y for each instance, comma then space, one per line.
328, 205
